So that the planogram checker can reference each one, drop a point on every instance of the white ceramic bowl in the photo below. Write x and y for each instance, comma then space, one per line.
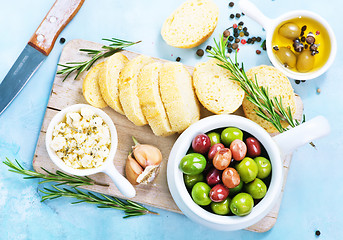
270, 26
275, 147
107, 167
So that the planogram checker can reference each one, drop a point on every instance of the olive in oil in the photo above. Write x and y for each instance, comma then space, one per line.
307, 26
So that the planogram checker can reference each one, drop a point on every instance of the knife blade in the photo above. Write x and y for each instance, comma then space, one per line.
37, 49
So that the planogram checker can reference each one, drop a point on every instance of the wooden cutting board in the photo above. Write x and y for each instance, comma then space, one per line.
69, 92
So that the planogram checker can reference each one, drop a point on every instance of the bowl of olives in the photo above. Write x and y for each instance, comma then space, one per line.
300, 43
225, 171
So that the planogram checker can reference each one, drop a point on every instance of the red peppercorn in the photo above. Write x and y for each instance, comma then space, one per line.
317, 33
234, 25
237, 49
243, 41
258, 52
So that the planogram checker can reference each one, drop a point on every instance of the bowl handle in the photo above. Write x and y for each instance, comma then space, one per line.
123, 185
305, 133
249, 9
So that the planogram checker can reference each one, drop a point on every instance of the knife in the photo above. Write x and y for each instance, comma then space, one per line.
37, 49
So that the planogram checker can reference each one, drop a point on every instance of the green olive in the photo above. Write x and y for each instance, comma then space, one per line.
290, 31
286, 57
305, 61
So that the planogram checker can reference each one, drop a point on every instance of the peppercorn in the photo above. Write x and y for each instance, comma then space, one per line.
249, 40
243, 41
258, 52
318, 90
229, 50
241, 23
264, 47
238, 15
200, 52
303, 39
241, 34
232, 16
306, 46
234, 46
231, 4
245, 29
246, 34
237, 40
229, 45
258, 39
302, 33
236, 34
253, 38
317, 32
178, 59
240, 28
231, 38
303, 28
297, 81
235, 30
226, 33
208, 47
314, 47
252, 41
317, 233
62, 40
303, 80
276, 48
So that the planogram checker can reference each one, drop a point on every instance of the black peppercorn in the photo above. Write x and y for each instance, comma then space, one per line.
229, 50
246, 34
231, 4
231, 38
254, 38
236, 34
226, 33
317, 233
232, 16
302, 33
237, 40
264, 47
235, 30
306, 46
258, 39
234, 46
229, 45
276, 48
243, 14
304, 28
249, 40
245, 29
62, 40
208, 47
303, 39
297, 81
241, 23
178, 59
238, 15
200, 52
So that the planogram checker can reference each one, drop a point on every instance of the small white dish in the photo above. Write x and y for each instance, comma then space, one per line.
276, 147
270, 26
107, 167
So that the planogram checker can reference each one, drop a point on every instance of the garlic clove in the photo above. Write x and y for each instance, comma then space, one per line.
147, 155
148, 175
133, 170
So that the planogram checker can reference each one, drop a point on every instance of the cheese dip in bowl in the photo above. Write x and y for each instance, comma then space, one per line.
82, 140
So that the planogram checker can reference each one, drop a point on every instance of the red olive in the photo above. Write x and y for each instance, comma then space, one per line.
214, 149
238, 149
213, 177
254, 147
222, 159
201, 144
230, 178
219, 193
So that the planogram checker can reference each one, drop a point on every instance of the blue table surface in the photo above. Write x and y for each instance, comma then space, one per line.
312, 199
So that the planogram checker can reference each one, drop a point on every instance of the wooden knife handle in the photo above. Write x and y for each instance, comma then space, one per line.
54, 22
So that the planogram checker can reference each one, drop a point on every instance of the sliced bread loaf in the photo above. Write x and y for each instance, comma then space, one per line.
128, 90
150, 99
178, 96
108, 80
214, 88
90, 87
278, 86
190, 24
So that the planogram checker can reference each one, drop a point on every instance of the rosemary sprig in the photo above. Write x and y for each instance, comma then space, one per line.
60, 177
115, 45
270, 109
130, 208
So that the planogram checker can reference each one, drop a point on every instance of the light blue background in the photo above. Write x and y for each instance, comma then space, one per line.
313, 194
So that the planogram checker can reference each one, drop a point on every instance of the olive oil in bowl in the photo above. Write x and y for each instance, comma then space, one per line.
301, 44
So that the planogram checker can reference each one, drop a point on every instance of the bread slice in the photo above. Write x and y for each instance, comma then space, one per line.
278, 85
90, 87
178, 96
128, 90
190, 24
214, 88
109, 78
150, 99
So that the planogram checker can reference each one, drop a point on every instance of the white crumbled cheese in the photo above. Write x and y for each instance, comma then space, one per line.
83, 140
